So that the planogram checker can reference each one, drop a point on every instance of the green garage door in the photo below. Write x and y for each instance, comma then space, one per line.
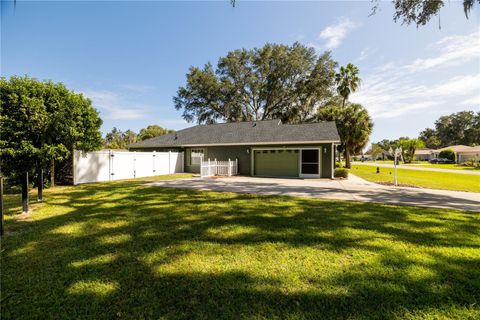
276, 163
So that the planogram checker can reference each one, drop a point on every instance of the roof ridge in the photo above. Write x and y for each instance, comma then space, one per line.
220, 123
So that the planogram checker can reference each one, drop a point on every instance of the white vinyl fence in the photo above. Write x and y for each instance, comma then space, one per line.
108, 165
218, 168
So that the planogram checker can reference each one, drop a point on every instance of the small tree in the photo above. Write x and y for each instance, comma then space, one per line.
409, 146
375, 151
42, 122
447, 154
353, 123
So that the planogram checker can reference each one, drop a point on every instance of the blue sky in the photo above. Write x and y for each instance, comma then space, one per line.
131, 57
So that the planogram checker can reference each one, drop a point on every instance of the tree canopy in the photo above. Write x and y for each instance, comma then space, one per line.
272, 82
347, 80
118, 139
457, 128
420, 12
354, 125
41, 121
409, 146
152, 131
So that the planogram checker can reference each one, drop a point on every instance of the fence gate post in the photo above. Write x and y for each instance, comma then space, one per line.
169, 161
110, 165
229, 167
153, 162
134, 164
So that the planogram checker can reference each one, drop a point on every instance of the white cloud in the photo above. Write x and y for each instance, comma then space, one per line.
472, 102
140, 88
392, 89
454, 50
117, 107
334, 34
365, 53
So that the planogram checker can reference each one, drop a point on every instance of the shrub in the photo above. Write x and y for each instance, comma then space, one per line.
340, 173
470, 163
338, 164
447, 154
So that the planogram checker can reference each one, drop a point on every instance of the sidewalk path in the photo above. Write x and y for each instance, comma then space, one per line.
353, 189
419, 167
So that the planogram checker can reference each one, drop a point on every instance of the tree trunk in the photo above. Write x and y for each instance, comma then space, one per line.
343, 104
52, 173
25, 192
347, 159
1, 206
40, 185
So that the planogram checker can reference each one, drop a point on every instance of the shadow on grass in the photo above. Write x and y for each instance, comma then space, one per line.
125, 250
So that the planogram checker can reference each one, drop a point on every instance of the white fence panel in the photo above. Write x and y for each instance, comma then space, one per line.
144, 164
162, 163
123, 165
176, 162
91, 166
115, 165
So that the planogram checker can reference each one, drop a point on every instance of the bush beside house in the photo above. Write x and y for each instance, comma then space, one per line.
340, 173
447, 154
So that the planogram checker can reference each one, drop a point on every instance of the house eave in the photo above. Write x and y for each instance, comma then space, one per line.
240, 144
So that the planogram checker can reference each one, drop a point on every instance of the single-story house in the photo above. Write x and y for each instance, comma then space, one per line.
462, 153
262, 148
424, 154
468, 154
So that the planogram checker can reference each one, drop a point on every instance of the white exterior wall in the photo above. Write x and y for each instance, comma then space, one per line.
465, 156
108, 165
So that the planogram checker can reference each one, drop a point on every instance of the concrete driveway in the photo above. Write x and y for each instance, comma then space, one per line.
353, 189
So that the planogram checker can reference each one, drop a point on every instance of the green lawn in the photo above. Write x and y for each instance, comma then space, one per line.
425, 164
124, 250
420, 178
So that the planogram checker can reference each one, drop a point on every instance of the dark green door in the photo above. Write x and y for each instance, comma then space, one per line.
276, 163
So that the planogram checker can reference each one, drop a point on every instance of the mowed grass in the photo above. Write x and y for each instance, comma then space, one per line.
125, 250
426, 164
420, 178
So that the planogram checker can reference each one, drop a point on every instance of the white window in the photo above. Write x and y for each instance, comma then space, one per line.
196, 156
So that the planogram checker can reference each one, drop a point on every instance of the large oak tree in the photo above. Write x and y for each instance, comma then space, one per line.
272, 82
457, 128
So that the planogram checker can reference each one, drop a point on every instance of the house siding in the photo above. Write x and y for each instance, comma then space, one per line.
244, 156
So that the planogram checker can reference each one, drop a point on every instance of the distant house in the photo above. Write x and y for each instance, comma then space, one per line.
424, 154
262, 148
462, 153
468, 154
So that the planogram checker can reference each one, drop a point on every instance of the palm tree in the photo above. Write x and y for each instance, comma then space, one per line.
347, 81
354, 126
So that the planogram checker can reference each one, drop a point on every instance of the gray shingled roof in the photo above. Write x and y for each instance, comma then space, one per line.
255, 132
